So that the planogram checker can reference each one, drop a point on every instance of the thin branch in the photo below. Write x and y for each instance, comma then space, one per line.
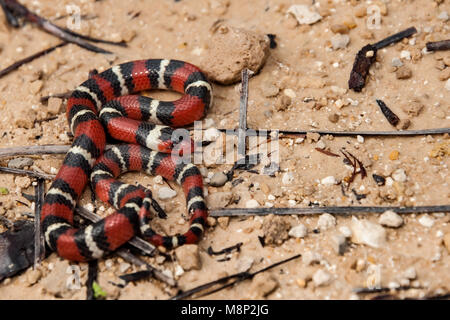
14, 8
62, 149
243, 102
395, 38
21, 62
241, 276
33, 174
126, 255
39, 245
438, 45
348, 210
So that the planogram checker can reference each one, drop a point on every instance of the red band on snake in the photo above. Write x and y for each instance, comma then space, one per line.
101, 106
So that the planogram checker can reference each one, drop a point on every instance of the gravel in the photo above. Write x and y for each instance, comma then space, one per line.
218, 179
368, 233
390, 219
299, 231
166, 193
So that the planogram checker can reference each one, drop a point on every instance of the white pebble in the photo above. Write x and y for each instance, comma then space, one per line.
208, 123
405, 54
271, 197
326, 221
166, 193
304, 14
158, 179
292, 203
399, 175
211, 134
443, 16
287, 178
124, 267
321, 278
346, 232
447, 85
396, 62
426, 221
390, 219
178, 271
340, 41
360, 139
368, 233
410, 273
328, 181
252, 204
290, 93
299, 231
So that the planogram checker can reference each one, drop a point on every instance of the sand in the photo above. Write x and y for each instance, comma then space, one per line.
303, 67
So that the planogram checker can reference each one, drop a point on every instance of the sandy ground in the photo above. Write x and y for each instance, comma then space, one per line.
302, 66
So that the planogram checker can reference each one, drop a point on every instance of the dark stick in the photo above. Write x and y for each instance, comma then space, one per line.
390, 116
19, 63
350, 210
62, 149
242, 137
39, 244
438, 45
395, 38
367, 55
92, 277
18, 10
236, 247
124, 254
241, 276
33, 174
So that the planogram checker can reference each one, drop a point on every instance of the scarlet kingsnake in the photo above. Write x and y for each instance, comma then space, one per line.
121, 116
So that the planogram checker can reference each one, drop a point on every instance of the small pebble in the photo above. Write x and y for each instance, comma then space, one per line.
328, 181
393, 155
166, 193
443, 16
346, 232
368, 233
321, 278
340, 41
299, 231
326, 221
333, 118
252, 204
410, 273
20, 163
405, 54
403, 73
339, 28
390, 219
399, 175
124, 266
287, 178
396, 62
218, 179
426, 221
211, 134
304, 14
33, 276
360, 139
447, 85
188, 257
244, 264
310, 257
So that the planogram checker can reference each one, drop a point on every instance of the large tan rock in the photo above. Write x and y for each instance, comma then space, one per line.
231, 50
